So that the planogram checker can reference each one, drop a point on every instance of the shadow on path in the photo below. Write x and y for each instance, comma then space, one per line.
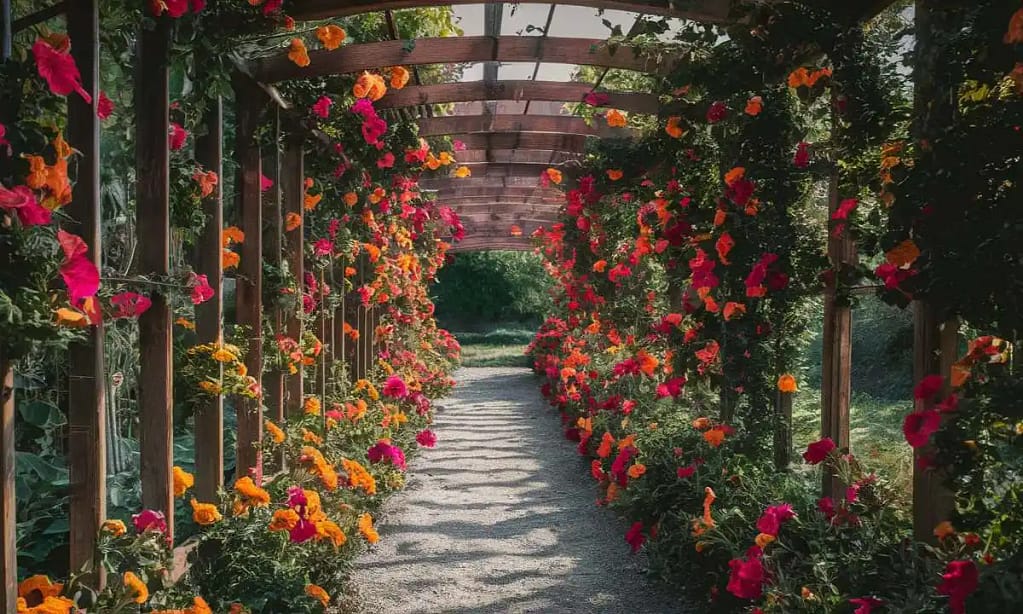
500, 517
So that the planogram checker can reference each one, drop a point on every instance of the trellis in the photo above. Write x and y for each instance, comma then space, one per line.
503, 189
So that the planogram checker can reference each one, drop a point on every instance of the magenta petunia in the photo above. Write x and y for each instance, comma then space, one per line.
634, 536
178, 136
865, 605
395, 387
104, 106
321, 108
817, 451
928, 387
959, 580
59, 71
149, 520
747, 577
920, 425
426, 438
201, 289
265, 183
130, 304
671, 388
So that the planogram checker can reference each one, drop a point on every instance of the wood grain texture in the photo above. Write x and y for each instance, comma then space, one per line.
455, 50
87, 435
209, 316
8, 509
522, 140
561, 124
153, 224
551, 91
273, 239
292, 185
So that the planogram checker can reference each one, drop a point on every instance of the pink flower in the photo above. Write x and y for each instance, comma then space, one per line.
458, 145
303, 531
920, 425
959, 580
717, 112
827, 507
395, 387
271, 6
79, 272
3, 139
929, 386
685, 472
747, 576
382, 450
386, 160
59, 70
671, 388
23, 201
426, 438
201, 290
323, 247
321, 107
149, 520
817, 451
308, 303
802, 157
296, 497
634, 537
265, 183
130, 304
865, 605
597, 99
178, 135
773, 517
104, 106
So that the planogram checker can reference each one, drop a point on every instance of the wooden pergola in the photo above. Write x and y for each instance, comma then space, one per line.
506, 154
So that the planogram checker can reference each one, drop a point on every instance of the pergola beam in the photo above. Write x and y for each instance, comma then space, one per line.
710, 11
455, 190
562, 124
521, 140
455, 50
513, 156
427, 183
516, 91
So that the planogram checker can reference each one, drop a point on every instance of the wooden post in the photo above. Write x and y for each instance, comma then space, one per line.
87, 454
249, 308
8, 533
293, 191
836, 365
273, 231
324, 335
152, 152
209, 316
783, 430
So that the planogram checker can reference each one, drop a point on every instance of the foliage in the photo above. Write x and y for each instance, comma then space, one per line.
489, 287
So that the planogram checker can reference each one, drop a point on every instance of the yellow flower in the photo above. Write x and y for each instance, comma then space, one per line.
318, 593
204, 513
463, 171
330, 36
367, 530
276, 433
114, 527
136, 587
223, 355
182, 481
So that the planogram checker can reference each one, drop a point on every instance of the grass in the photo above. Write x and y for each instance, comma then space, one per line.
498, 348
875, 431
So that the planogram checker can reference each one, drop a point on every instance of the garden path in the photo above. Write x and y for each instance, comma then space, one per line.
500, 517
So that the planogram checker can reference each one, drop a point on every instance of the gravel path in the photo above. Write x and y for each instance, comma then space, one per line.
500, 517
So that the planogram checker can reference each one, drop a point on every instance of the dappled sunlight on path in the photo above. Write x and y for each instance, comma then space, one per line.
500, 518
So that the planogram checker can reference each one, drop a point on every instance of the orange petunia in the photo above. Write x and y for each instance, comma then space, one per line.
399, 77
715, 436
298, 54
554, 175
734, 176
229, 259
369, 85
616, 119
903, 254
754, 106
207, 182
311, 200
231, 234
614, 174
701, 423
292, 221
637, 470
515, 231
787, 383
674, 127
731, 309
330, 36
71, 318
351, 198
599, 266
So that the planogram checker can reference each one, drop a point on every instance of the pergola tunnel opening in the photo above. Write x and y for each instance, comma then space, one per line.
248, 248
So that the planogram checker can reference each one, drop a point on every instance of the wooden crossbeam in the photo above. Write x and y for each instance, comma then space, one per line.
455, 50
507, 169
521, 140
709, 11
518, 91
506, 156
560, 124
456, 190
480, 182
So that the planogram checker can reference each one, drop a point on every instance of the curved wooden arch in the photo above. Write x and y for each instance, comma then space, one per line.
454, 50
558, 124
522, 140
518, 91
710, 11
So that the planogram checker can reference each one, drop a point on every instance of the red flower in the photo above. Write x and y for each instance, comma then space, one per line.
773, 517
426, 438
265, 183
178, 135
959, 580
597, 99
717, 112
201, 290
322, 107
597, 471
802, 157
685, 472
386, 161
929, 386
104, 106
671, 388
747, 577
817, 451
866, 604
395, 388
149, 520
920, 425
59, 70
635, 537
130, 304
827, 507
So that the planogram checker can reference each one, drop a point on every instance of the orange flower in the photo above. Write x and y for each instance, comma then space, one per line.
1015, 33
135, 587
292, 221
252, 494
944, 529
515, 230
637, 470
351, 198
732, 308
708, 499
318, 593
367, 530
182, 481
903, 254
185, 323
207, 182
229, 259
754, 106
204, 514
763, 540
330, 36
114, 527
328, 529
787, 383
36, 177
734, 176
462, 172
554, 175
604, 450
369, 85
298, 54
614, 174
674, 127
71, 318
599, 266
616, 119
311, 406
39, 583
715, 436
276, 433
232, 234
284, 520
311, 201
399, 77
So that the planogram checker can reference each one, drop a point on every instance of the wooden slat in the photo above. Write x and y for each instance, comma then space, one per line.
250, 279
563, 124
454, 190
323, 332
209, 316
552, 91
292, 184
429, 183
498, 169
528, 156
273, 237
87, 439
153, 225
783, 430
455, 50
522, 140
8, 506
709, 11
470, 244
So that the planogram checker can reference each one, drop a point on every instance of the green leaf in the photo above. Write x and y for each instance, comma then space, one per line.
409, 45
43, 415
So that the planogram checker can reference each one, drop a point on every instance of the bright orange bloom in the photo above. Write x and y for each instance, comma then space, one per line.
298, 54
787, 383
731, 309
318, 593
616, 119
754, 106
764, 539
292, 221
207, 182
71, 318
351, 198
674, 127
204, 514
515, 230
328, 529
637, 470
367, 530
701, 423
284, 520
903, 254
135, 587
252, 494
708, 499
330, 36
39, 583
944, 529
182, 481
614, 174
275, 432
230, 259
462, 172
114, 527
369, 85
554, 175
399, 77
311, 201
715, 436
232, 234
734, 176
